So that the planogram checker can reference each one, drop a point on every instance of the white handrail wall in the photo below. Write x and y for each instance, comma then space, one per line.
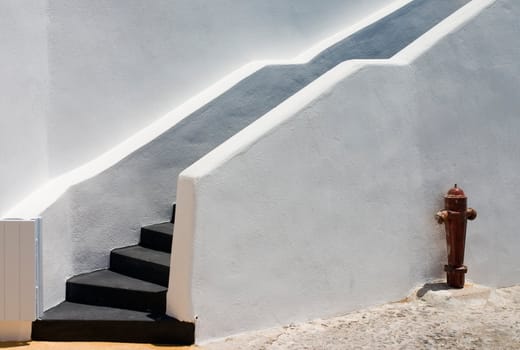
326, 203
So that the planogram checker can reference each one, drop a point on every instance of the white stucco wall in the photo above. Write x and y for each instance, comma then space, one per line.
119, 65
327, 203
80, 77
23, 99
114, 69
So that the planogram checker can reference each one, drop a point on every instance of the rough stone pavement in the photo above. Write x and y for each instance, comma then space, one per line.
478, 318
432, 318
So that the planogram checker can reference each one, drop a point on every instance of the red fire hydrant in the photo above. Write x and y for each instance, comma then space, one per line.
455, 216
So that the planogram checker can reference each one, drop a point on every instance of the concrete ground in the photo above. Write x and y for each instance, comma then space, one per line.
432, 318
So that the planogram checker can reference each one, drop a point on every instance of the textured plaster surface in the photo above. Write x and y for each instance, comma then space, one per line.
80, 77
23, 99
119, 65
108, 210
333, 208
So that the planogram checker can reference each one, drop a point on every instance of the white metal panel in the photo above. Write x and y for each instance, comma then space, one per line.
27, 271
17, 276
2, 271
12, 271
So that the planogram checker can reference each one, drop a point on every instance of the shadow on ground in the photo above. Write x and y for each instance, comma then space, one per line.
432, 287
12, 344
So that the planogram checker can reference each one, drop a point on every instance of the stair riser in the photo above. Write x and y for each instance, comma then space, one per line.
172, 220
156, 240
143, 270
114, 297
162, 332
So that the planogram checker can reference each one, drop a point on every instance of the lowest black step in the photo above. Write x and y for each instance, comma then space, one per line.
78, 322
142, 263
157, 237
108, 288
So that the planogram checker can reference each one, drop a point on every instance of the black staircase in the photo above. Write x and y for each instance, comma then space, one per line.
125, 303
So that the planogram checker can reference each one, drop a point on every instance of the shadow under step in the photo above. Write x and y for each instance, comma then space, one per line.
142, 263
108, 288
78, 322
157, 237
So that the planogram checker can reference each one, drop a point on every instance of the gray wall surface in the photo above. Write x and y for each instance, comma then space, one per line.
108, 210
118, 65
79, 77
331, 208
23, 99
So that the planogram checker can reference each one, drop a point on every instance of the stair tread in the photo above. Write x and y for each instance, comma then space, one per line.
163, 227
79, 322
111, 279
157, 236
146, 254
75, 311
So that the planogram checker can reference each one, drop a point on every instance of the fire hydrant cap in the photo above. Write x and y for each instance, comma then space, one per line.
455, 192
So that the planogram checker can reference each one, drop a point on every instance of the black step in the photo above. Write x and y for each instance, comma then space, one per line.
158, 237
108, 288
79, 322
142, 263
